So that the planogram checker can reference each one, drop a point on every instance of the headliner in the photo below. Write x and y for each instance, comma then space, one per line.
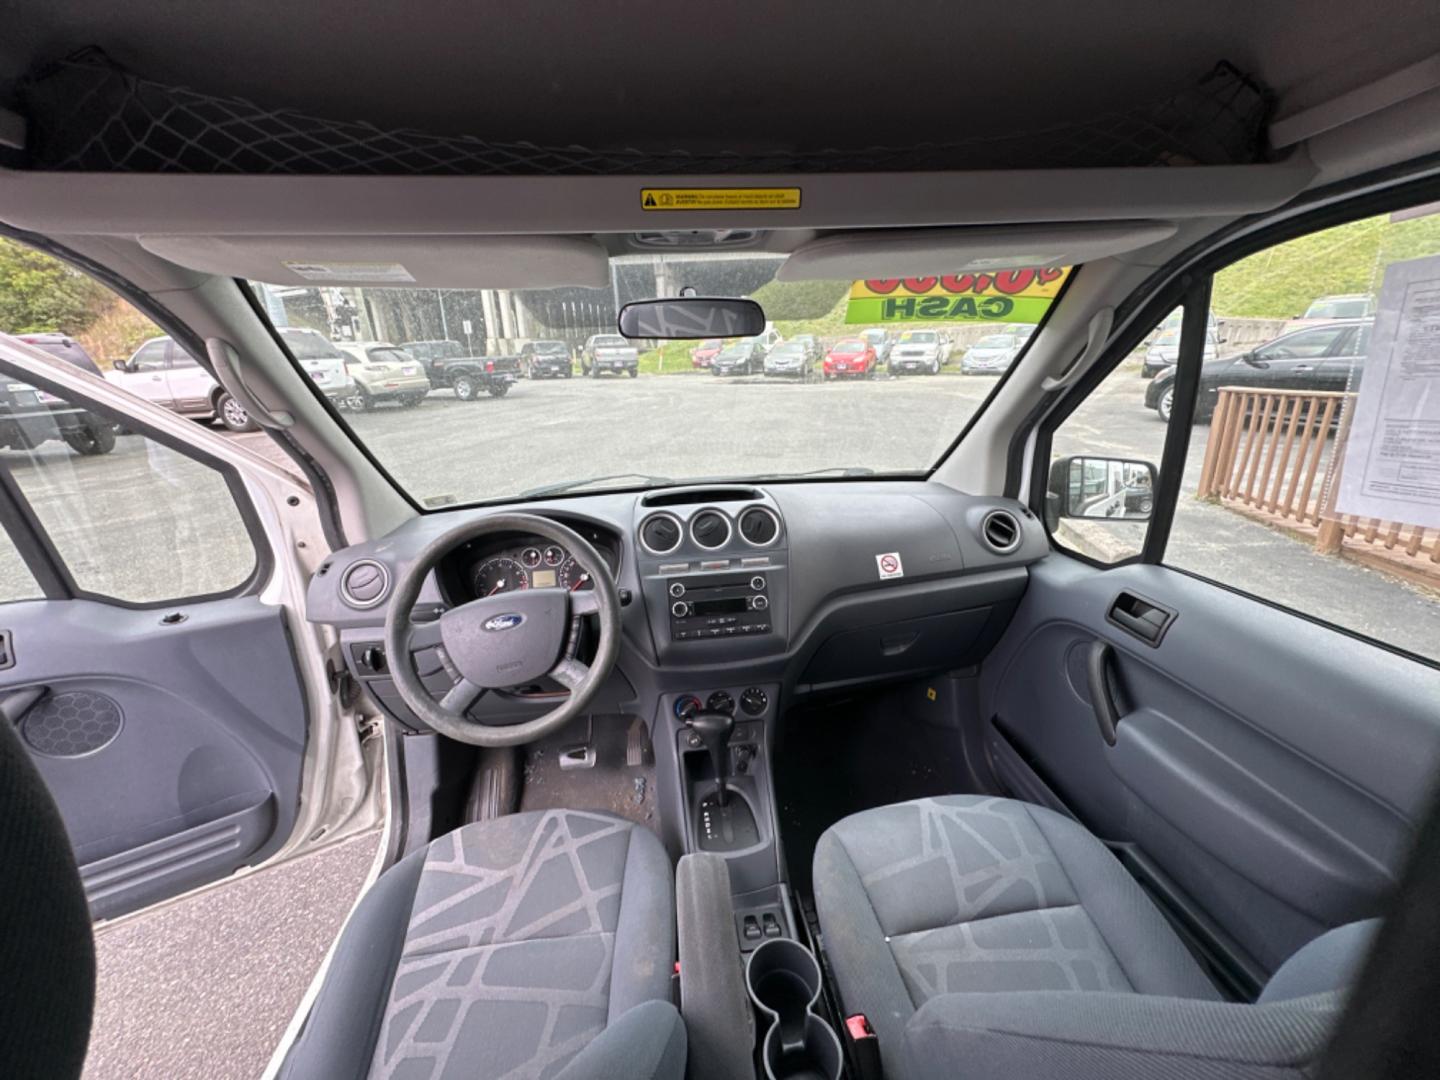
743, 75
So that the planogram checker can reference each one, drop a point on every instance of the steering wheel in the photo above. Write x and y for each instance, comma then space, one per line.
503, 640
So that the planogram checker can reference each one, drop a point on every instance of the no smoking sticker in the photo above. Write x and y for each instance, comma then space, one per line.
889, 565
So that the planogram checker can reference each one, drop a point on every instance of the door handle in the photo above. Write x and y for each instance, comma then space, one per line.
1102, 699
1303, 367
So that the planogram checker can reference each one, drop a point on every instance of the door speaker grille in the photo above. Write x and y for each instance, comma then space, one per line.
72, 723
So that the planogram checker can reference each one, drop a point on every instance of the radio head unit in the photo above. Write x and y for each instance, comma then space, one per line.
723, 605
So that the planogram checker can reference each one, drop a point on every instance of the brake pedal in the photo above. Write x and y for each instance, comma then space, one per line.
639, 750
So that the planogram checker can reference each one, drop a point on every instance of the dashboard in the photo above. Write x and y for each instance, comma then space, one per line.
812, 587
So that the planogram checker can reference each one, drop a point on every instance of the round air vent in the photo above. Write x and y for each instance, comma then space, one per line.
365, 583
72, 723
1001, 532
710, 529
759, 526
661, 534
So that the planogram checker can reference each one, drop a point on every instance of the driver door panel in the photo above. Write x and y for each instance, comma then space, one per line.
172, 762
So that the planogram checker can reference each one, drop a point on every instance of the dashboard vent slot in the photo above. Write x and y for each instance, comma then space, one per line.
710, 529
700, 495
759, 526
661, 534
1001, 532
365, 583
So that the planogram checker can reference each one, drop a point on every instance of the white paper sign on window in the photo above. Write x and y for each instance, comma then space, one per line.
1391, 468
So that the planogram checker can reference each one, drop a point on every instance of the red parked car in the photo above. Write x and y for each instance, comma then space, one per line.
853, 356
703, 354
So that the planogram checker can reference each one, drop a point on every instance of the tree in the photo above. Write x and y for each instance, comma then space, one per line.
40, 293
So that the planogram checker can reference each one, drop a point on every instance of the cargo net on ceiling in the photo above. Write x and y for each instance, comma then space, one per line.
87, 114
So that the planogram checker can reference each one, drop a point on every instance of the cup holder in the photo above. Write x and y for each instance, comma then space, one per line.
783, 980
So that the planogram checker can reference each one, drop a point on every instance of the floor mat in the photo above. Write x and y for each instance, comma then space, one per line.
610, 785
852, 754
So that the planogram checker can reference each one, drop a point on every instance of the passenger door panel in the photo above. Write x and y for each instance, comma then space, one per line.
1270, 766
173, 748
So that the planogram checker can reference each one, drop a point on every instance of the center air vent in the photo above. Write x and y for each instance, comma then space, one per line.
710, 529
661, 534
1001, 532
758, 526
365, 583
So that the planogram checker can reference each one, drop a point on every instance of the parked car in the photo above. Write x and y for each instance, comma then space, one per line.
609, 352
1315, 358
384, 372
813, 348
742, 358
703, 355
546, 360
321, 361
162, 372
30, 416
447, 364
789, 359
851, 357
924, 351
1164, 350
992, 354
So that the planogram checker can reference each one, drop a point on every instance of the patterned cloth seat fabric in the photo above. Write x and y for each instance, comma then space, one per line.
535, 945
987, 937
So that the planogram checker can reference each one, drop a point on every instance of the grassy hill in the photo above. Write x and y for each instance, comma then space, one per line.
1280, 283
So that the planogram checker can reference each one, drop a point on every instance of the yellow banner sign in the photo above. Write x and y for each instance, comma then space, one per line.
1021, 295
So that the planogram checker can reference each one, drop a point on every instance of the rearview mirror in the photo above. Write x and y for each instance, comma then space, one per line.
1106, 489
691, 317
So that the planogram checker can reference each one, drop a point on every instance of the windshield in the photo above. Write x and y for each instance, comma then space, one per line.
995, 341
642, 413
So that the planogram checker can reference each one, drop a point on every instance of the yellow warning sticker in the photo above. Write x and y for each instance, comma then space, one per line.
785, 198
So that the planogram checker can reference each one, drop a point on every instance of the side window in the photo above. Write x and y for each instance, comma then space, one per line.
179, 358
16, 581
130, 518
151, 356
1318, 490
1102, 462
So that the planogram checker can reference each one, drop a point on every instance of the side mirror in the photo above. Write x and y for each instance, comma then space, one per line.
686, 318
1105, 489
120, 365
1253, 359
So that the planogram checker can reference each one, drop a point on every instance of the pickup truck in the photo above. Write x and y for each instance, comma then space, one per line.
447, 365
30, 416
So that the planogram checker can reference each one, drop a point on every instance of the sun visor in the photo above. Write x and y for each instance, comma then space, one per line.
437, 262
876, 253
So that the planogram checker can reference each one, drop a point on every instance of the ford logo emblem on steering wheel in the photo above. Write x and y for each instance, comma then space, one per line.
503, 622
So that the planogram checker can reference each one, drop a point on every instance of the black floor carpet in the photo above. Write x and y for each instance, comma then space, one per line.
853, 754
611, 786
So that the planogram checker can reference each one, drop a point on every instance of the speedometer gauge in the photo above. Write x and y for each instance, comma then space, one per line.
500, 574
573, 577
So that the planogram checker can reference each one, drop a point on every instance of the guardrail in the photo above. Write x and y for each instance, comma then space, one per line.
1269, 456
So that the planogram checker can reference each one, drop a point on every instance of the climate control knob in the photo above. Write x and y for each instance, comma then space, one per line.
687, 706
720, 702
754, 701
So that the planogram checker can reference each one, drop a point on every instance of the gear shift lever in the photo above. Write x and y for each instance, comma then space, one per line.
714, 729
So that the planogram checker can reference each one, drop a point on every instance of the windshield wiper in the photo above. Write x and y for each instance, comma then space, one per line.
571, 485
833, 470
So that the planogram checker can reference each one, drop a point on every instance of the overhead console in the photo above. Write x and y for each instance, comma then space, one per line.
714, 565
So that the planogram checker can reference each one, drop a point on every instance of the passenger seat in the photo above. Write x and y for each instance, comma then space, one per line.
996, 940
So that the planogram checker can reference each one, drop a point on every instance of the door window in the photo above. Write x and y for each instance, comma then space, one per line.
1262, 506
130, 518
151, 356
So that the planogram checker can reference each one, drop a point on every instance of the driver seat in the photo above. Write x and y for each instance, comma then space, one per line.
534, 945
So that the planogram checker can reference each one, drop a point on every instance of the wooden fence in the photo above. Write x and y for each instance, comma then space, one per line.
1269, 456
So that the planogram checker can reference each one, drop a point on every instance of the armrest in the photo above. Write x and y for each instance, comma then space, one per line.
718, 1019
